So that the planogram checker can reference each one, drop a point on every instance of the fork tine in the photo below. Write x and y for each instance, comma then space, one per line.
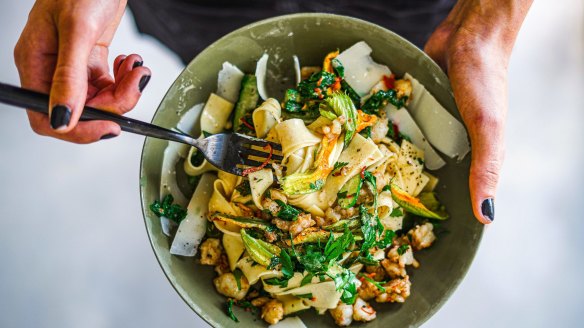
246, 152
251, 162
257, 142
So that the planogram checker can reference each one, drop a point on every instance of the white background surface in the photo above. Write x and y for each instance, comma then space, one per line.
73, 247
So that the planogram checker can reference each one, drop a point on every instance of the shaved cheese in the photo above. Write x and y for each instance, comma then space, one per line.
260, 73
361, 72
407, 125
297, 69
441, 129
193, 227
229, 82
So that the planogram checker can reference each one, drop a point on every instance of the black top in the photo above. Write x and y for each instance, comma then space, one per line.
189, 26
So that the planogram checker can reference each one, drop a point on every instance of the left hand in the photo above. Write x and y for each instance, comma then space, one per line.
473, 46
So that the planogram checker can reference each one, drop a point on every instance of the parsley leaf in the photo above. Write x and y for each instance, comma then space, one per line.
244, 188
307, 279
339, 165
396, 212
335, 247
287, 212
402, 249
287, 266
309, 295
169, 210
237, 274
375, 283
230, 313
282, 282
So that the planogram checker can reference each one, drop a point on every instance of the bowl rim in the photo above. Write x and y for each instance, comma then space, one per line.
194, 306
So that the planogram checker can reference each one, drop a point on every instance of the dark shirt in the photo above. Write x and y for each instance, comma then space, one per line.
189, 26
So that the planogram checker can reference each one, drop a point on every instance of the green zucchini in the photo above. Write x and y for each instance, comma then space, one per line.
247, 102
347, 196
243, 222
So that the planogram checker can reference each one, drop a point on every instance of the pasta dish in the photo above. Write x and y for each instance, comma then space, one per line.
336, 224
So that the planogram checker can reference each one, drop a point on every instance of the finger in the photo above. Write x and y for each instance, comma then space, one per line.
124, 94
83, 133
481, 96
132, 61
119, 59
69, 87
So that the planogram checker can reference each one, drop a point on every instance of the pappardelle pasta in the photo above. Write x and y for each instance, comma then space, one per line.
324, 228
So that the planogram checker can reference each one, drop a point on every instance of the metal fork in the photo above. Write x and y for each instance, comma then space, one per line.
229, 152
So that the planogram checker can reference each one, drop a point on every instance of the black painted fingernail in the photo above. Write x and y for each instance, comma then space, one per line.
143, 82
108, 136
137, 63
488, 209
60, 117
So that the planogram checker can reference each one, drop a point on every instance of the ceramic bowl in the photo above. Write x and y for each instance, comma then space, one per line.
310, 37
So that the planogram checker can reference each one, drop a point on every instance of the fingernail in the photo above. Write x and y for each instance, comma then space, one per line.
137, 63
60, 117
143, 82
108, 136
488, 209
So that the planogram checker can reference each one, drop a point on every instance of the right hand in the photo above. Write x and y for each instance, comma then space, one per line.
63, 52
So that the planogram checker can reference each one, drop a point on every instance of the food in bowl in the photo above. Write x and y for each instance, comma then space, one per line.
324, 228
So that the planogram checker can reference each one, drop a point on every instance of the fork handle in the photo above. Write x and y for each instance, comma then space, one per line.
39, 102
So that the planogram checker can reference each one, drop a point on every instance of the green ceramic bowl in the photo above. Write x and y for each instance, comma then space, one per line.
310, 37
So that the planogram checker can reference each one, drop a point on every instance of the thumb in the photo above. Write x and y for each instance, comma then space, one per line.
70, 79
487, 157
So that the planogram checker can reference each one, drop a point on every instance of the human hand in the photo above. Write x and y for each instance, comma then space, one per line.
63, 51
473, 46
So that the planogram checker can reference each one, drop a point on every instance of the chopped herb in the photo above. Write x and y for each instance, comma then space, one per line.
292, 101
212, 231
169, 210
386, 188
230, 313
339, 165
306, 280
287, 212
375, 283
244, 188
309, 295
396, 212
287, 265
366, 132
336, 247
315, 86
316, 185
345, 281
282, 282
274, 262
381, 99
237, 274
402, 249
387, 239
207, 134
338, 67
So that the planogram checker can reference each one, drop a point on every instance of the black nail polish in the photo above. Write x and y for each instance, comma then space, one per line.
488, 209
108, 136
60, 117
137, 63
143, 82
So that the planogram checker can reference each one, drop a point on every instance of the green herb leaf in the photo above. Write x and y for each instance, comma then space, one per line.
334, 248
309, 295
396, 212
375, 283
338, 67
386, 188
346, 88
282, 282
230, 313
169, 210
386, 240
308, 88
339, 165
287, 212
287, 265
306, 280
237, 274
244, 188
381, 99
402, 249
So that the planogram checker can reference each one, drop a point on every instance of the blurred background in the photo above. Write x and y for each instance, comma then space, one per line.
74, 250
